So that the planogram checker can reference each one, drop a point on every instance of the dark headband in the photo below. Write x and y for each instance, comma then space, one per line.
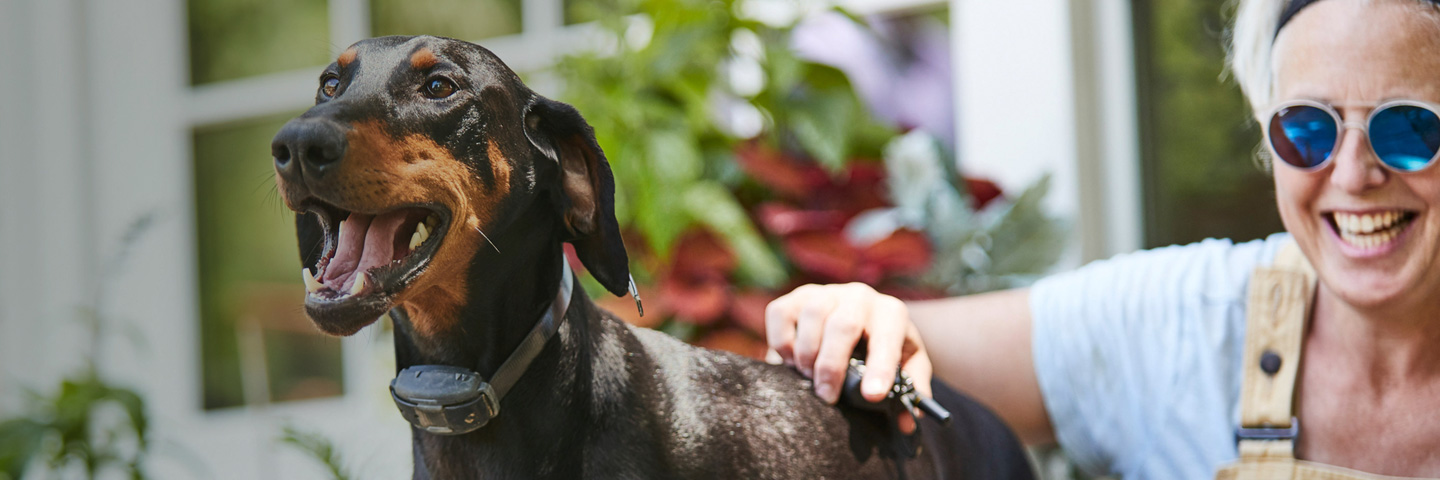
1295, 6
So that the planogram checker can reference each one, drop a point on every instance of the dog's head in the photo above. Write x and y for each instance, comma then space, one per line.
418, 151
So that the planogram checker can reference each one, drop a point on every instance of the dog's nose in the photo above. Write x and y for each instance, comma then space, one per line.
308, 144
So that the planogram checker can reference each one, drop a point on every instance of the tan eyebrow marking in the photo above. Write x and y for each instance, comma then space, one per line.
423, 59
347, 56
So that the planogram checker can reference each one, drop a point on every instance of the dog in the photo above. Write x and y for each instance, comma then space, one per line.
429, 182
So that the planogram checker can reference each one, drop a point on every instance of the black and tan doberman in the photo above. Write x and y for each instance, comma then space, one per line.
431, 181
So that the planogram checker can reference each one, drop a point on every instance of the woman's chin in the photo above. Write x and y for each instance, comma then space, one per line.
1374, 290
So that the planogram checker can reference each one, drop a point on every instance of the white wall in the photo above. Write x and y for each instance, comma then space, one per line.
94, 134
1047, 86
46, 238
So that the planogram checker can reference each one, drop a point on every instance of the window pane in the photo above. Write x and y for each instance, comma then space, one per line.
462, 19
1197, 139
231, 39
254, 334
581, 11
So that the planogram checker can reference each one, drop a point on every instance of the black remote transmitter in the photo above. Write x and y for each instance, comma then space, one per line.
903, 391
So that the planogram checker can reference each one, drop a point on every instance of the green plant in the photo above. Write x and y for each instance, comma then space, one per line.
66, 430
77, 427
657, 101
318, 447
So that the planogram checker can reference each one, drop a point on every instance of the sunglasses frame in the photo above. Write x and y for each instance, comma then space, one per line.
1342, 126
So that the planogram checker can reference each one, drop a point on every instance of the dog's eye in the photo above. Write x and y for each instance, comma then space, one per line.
439, 88
328, 86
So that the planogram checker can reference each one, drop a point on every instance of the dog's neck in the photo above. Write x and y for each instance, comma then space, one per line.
508, 289
508, 293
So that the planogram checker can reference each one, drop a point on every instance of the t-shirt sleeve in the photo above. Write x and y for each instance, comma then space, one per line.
1142, 349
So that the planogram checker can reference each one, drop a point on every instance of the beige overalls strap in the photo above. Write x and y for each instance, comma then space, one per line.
1280, 300
1276, 315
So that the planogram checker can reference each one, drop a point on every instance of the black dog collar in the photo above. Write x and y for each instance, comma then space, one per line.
447, 400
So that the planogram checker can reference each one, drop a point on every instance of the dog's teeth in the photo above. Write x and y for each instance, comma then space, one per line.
432, 221
359, 285
311, 285
421, 234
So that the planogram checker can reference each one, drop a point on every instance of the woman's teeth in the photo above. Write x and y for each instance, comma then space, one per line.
1370, 230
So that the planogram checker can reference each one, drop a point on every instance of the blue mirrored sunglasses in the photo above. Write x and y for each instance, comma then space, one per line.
1404, 134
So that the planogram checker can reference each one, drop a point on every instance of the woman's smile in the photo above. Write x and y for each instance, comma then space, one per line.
1369, 232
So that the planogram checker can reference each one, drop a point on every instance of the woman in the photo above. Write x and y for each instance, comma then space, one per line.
1136, 364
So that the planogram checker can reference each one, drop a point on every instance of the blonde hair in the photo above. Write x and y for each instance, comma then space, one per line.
1250, 56
1249, 52
1252, 41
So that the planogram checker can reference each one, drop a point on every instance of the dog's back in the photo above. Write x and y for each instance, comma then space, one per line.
726, 416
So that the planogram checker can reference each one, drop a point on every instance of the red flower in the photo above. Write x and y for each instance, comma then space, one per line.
983, 191
791, 177
781, 219
831, 257
748, 310
696, 286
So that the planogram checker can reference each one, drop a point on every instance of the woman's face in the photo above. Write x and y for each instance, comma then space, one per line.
1354, 55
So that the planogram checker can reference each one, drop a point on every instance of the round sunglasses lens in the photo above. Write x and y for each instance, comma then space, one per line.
1405, 137
1302, 135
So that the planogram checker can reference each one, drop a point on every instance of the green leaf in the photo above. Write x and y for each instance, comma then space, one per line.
1025, 239
822, 123
712, 205
683, 331
319, 448
674, 157
21, 441
660, 218
134, 407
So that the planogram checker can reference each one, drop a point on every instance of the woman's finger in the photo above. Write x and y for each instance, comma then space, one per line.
809, 328
886, 332
916, 361
780, 317
842, 332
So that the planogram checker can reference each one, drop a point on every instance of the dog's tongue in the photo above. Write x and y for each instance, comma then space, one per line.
366, 241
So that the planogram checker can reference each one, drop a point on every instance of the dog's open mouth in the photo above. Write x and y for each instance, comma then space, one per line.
370, 257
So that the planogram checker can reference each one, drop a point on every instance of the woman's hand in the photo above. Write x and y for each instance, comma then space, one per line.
816, 327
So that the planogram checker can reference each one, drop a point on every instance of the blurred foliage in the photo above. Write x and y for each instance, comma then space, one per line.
70, 430
470, 20
653, 98
319, 447
580, 11
744, 171
90, 425
249, 271
1198, 139
231, 39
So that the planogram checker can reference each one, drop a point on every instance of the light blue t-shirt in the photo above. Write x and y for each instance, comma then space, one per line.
1138, 357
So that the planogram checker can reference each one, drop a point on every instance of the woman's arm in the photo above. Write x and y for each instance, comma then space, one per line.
981, 344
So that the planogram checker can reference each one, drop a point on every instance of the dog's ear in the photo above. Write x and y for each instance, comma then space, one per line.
311, 237
586, 186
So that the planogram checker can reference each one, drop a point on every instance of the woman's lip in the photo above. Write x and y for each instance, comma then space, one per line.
1386, 248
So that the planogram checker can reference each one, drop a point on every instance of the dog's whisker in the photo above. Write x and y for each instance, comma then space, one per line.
487, 240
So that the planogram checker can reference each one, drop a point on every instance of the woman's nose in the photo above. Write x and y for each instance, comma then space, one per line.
1355, 167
